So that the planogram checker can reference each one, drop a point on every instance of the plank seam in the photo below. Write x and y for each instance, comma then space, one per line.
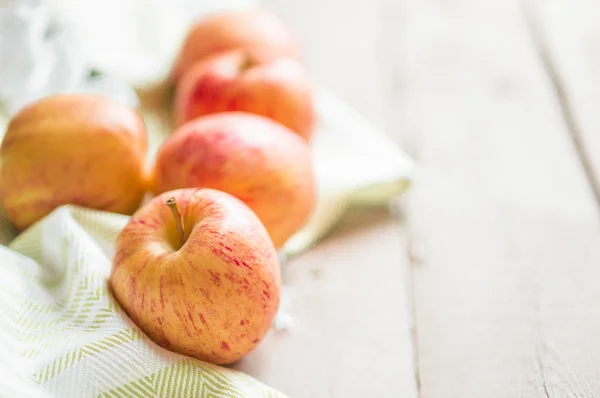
568, 115
401, 211
538, 357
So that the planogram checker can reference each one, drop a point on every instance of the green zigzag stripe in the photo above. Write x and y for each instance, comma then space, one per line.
28, 244
80, 298
94, 348
107, 230
185, 378
75, 293
18, 271
75, 317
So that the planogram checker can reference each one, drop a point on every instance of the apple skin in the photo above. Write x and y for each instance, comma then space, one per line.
77, 149
215, 297
249, 81
255, 159
252, 28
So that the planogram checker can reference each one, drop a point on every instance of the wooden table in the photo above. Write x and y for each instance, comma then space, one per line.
496, 266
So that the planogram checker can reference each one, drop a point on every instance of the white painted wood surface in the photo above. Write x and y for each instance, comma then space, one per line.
507, 299
503, 229
352, 335
569, 33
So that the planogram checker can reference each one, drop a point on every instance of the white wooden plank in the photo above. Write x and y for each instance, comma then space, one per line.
352, 334
343, 44
351, 337
570, 38
507, 290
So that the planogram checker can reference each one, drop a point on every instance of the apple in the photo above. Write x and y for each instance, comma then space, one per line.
76, 149
255, 159
227, 30
196, 271
249, 81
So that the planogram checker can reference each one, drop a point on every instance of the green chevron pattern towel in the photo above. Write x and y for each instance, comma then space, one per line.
63, 335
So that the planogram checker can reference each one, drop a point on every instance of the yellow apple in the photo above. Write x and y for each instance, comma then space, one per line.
253, 28
255, 159
249, 81
72, 149
196, 271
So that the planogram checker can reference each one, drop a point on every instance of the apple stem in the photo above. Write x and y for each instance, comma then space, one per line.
172, 203
247, 62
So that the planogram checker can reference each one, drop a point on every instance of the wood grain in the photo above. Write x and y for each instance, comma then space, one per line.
352, 335
506, 292
343, 46
569, 40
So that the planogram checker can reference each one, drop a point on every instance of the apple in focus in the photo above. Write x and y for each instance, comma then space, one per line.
79, 149
226, 30
196, 271
249, 81
253, 158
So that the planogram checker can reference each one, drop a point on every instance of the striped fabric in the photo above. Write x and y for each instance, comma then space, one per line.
63, 335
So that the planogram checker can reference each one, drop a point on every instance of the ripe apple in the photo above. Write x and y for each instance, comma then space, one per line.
253, 158
234, 29
196, 271
77, 149
250, 81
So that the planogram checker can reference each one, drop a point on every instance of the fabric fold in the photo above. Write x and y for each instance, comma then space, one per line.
63, 334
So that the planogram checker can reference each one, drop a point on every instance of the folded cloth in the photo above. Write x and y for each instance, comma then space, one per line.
354, 162
63, 334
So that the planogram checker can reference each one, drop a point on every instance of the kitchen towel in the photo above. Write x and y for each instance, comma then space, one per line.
62, 334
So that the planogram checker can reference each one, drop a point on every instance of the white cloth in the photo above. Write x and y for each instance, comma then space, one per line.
48, 337
133, 43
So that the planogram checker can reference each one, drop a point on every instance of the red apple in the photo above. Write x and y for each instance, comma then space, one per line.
249, 81
77, 149
257, 160
196, 271
234, 29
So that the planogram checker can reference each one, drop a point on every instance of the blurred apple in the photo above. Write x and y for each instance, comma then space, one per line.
251, 81
196, 271
234, 29
255, 159
72, 149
